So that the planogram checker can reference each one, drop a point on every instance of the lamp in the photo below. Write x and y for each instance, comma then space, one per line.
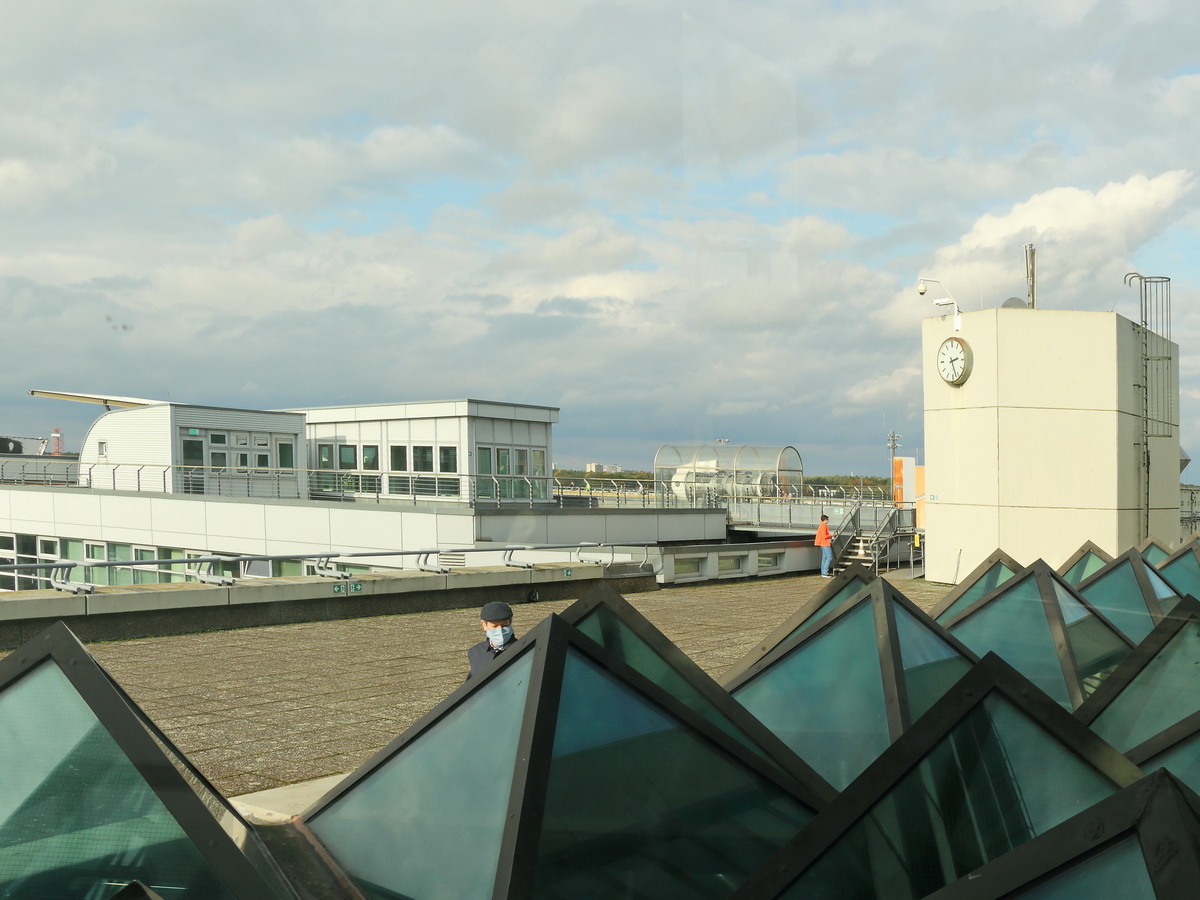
948, 300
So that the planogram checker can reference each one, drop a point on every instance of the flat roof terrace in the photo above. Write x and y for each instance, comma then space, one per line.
262, 708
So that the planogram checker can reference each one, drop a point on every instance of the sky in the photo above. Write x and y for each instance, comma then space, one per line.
676, 222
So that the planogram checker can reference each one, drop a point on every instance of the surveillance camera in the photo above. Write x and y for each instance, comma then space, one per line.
921, 289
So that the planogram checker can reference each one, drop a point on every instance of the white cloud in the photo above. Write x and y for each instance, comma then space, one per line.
671, 225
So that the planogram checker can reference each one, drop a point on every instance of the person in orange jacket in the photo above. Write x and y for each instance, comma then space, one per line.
824, 540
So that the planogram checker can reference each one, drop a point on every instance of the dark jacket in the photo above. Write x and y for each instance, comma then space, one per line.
481, 655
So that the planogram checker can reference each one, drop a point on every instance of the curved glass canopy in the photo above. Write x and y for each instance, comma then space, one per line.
686, 470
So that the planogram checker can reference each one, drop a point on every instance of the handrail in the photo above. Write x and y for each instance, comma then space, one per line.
202, 567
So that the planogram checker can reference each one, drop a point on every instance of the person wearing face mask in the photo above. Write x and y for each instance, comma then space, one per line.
496, 619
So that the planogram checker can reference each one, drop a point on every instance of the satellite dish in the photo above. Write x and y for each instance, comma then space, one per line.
1014, 303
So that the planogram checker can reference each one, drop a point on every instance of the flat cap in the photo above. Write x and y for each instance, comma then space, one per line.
495, 611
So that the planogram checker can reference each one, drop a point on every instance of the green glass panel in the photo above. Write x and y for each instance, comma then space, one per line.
994, 782
1117, 872
1184, 573
1117, 595
427, 823
1183, 761
606, 629
931, 666
1167, 598
1164, 692
1096, 647
1014, 626
75, 814
1154, 554
840, 596
638, 805
825, 699
995, 576
1087, 566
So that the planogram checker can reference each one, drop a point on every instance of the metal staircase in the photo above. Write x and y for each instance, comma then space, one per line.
894, 543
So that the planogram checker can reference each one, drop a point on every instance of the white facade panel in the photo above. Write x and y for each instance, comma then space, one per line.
1040, 445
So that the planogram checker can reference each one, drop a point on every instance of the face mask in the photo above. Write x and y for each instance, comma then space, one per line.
500, 636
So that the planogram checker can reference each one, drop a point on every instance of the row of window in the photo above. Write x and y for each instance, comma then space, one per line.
33, 549
347, 457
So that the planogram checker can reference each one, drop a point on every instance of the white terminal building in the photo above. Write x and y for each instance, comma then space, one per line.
160, 480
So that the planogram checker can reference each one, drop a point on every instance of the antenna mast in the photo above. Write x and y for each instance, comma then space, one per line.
1031, 274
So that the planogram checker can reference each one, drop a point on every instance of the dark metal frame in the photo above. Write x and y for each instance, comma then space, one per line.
1046, 579
794, 622
1088, 547
992, 675
139, 739
1185, 614
550, 641
1139, 565
1160, 812
884, 598
996, 556
762, 737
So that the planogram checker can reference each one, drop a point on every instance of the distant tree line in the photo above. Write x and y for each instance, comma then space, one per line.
838, 480
847, 480
622, 476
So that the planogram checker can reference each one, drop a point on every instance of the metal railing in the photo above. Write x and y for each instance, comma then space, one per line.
791, 507
226, 570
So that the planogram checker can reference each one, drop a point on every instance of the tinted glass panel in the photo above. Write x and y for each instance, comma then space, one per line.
1117, 872
75, 814
931, 666
994, 782
844, 593
825, 698
1184, 573
1117, 595
991, 579
1154, 554
1166, 595
1164, 692
1096, 647
1014, 625
1087, 566
637, 805
422, 459
443, 799
606, 629
1183, 760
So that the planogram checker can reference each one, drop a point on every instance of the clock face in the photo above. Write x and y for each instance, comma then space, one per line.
954, 360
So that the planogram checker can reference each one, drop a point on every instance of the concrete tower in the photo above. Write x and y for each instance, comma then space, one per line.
1040, 435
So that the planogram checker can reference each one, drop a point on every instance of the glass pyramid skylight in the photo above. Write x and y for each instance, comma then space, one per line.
91, 797
1156, 688
994, 571
993, 765
1182, 569
1046, 631
1130, 593
839, 693
1085, 562
611, 621
573, 775
844, 585
1125, 846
